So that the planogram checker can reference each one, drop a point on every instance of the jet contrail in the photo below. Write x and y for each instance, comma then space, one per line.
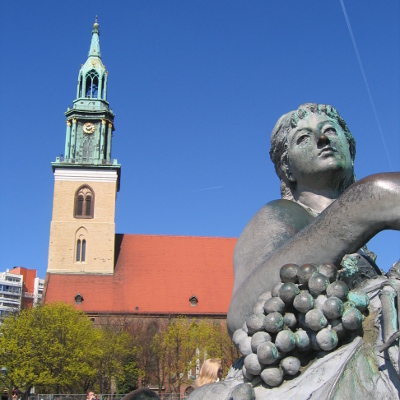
366, 82
209, 188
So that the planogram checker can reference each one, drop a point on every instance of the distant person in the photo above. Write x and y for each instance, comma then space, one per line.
90, 395
16, 395
210, 372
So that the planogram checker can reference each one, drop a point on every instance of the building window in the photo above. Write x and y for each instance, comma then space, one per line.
78, 250
102, 87
83, 254
81, 250
193, 301
79, 205
78, 298
80, 84
92, 84
84, 203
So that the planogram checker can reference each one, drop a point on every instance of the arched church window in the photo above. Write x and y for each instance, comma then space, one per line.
95, 87
88, 204
80, 85
84, 203
92, 84
103, 81
79, 204
80, 250
83, 253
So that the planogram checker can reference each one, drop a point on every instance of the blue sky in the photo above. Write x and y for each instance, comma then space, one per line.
196, 87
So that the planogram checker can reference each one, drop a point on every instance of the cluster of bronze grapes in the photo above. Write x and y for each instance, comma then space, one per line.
308, 311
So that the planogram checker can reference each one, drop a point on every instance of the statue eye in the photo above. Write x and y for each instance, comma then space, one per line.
330, 130
302, 139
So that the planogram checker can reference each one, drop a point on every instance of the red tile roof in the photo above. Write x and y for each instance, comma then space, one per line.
155, 275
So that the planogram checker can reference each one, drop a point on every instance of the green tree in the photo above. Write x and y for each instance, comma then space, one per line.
148, 336
158, 350
127, 379
218, 344
186, 343
116, 362
52, 347
180, 344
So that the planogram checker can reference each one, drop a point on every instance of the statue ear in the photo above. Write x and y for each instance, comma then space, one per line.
288, 173
291, 178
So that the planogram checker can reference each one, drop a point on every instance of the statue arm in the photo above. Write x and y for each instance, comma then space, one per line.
364, 209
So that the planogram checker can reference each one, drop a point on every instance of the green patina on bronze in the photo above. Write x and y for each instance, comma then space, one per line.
358, 377
90, 121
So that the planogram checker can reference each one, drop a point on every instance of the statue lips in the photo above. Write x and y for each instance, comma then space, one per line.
327, 151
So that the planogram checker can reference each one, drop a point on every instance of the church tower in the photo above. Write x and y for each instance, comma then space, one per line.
86, 179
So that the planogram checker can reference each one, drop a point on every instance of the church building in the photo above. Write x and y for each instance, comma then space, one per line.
109, 274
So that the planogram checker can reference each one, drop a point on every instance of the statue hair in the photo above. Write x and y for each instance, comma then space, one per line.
279, 142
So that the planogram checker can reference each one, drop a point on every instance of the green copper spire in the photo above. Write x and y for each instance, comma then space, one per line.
90, 122
95, 43
92, 80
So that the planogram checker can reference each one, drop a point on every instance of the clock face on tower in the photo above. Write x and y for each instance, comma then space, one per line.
89, 128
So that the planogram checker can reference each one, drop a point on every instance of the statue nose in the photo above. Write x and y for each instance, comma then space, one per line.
323, 140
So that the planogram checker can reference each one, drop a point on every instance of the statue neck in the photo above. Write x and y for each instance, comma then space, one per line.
315, 202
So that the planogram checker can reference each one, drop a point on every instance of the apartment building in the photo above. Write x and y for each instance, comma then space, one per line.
19, 288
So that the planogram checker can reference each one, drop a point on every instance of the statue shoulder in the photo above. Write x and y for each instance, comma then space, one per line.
275, 223
277, 217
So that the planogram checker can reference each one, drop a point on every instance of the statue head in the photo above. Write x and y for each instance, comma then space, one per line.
279, 143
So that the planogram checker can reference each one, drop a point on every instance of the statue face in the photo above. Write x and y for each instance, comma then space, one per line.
318, 152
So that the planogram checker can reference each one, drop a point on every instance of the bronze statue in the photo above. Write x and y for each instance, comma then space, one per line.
324, 216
